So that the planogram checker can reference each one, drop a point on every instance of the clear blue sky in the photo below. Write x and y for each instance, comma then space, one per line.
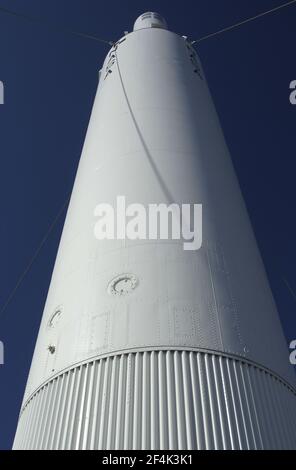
50, 80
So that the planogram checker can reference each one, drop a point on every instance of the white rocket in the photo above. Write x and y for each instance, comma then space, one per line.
144, 345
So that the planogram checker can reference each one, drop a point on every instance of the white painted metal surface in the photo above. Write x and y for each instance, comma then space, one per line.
154, 122
161, 400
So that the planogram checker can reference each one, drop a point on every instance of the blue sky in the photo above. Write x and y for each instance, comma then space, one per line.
50, 79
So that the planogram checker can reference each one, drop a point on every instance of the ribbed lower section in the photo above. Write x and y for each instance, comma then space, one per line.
160, 400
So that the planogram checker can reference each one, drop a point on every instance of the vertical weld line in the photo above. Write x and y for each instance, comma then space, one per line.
258, 381
66, 419
50, 416
234, 403
46, 411
274, 413
80, 433
213, 403
19, 440
30, 413
197, 405
23, 438
121, 404
128, 421
227, 399
87, 404
181, 427
37, 440
132, 401
31, 430
77, 408
146, 403
247, 368
48, 408
267, 402
29, 410
105, 405
56, 411
247, 404
73, 413
204, 387
172, 413
163, 405
221, 412
154, 402
81, 406
65, 430
37, 417
95, 402
137, 412
240, 402
188, 402
32, 419
113, 405
99, 399
62, 411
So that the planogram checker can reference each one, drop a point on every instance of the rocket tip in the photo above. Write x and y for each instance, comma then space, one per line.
150, 20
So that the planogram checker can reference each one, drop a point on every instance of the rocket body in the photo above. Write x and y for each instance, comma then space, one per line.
142, 344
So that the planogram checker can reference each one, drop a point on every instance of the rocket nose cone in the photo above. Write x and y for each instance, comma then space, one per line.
150, 20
